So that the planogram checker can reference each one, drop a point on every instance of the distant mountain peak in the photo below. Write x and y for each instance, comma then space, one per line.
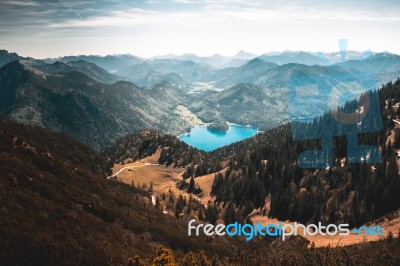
384, 55
244, 55
81, 63
256, 61
241, 52
3, 52
6, 57
33, 70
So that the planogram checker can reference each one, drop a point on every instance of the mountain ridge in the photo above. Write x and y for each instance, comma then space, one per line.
74, 103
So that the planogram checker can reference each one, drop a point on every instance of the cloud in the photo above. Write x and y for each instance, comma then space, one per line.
199, 26
209, 17
21, 3
184, 1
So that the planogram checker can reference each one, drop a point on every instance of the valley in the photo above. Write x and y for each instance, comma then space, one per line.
159, 140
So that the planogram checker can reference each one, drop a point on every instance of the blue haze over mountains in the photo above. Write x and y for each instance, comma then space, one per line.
117, 94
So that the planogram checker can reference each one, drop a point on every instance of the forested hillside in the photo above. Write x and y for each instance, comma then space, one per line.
345, 192
92, 112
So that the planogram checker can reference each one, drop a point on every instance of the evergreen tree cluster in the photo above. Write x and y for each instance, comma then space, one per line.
173, 152
351, 193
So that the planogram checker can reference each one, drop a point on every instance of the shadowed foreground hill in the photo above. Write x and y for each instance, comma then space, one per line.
57, 207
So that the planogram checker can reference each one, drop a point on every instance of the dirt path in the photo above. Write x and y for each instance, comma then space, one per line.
130, 168
388, 225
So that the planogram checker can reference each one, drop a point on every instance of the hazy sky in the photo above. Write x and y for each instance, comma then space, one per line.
205, 27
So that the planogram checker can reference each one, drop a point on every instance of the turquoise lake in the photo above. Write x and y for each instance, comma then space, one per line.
207, 140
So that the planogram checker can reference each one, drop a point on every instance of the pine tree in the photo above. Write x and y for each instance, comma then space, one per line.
191, 185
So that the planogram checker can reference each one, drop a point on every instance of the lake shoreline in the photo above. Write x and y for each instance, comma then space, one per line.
202, 138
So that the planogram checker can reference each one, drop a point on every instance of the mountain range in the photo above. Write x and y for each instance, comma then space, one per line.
90, 69
216, 61
85, 100
74, 103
